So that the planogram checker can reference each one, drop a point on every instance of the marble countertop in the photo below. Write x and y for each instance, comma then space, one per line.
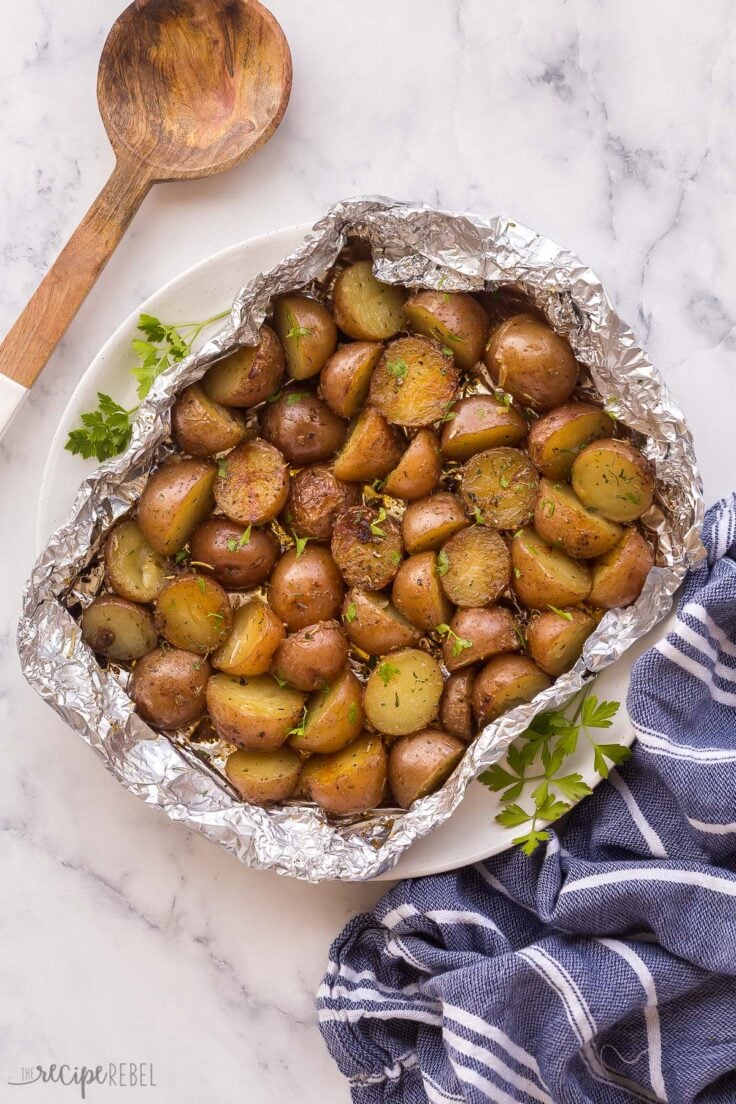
607, 127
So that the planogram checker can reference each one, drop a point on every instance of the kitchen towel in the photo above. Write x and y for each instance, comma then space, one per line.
603, 967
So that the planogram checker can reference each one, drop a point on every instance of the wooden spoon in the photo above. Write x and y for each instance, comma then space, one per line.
186, 88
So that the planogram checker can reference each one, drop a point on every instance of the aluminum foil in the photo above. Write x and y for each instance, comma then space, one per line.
418, 247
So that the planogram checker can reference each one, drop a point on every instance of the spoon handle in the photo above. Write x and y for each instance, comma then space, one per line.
46, 317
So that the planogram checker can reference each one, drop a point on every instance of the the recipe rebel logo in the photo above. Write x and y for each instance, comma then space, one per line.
113, 1075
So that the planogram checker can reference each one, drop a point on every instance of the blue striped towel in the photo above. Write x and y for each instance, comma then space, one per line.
603, 967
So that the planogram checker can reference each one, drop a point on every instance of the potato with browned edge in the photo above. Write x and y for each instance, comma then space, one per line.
417, 593
372, 449
133, 569
334, 716
532, 362
403, 692
456, 709
561, 519
454, 318
203, 427
501, 485
413, 383
193, 613
256, 713
305, 587
429, 522
307, 332
478, 423
364, 307
557, 438
505, 682
263, 777
249, 375
250, 646
302, 427
619, 576
312, 657
418, 471
345, 378
175, 499
168, 687
421, 763
239, 558
316, 497
252, 483
476, 634
367, 547
556, 637
349, 781
475, 566
118, 629
615, 479
544, 576
374, 625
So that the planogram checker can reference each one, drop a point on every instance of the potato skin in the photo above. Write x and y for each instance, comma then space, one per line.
455, 319
544, 576
429, 522
456, 709
615, 479
349, 781
175, 499
414, 382
312, 657
254, 483
371, 450
249, 375
374, 625
306, 351
203, 427
479, 423
364, 307
562, 519
557, 438
316, 497
118, 629
262, 777
502, 483
417, 593
366, 548
532, 362
193, 613
477, 567
345, 378
490, 631
619, 576
168, 687
248, 650
235, 563
302, 427
256, 714
133, 569
420, 763
334, 717
403, 692
419, 469
556, 642
505, 682
305, 589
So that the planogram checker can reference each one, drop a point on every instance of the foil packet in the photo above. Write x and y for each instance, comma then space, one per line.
419, 247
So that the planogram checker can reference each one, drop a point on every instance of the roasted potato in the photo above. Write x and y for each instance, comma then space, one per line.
345, 378
203, 427
168, 687
475, 566
374, 625
478, 423
429, 522
417, 593
239, 558
302, 427
256, 713
505, 682
307, 332
334, 716
544, 576
557, 438
193, 613
312, 657
475, 634
177, 496
252, 483
364, 307
262, 777
556, 638
348, 781
255, 635
561, 519
619, 576
531, 362
403, 692
367, 547
316, 497
615, 479
456, 709
422, 762
118, 629
419, 469
305, 588
414, 382
133, 569
249, 375
372, 449
501, 486
455, 319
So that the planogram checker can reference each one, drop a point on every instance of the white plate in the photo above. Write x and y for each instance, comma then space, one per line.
207, 288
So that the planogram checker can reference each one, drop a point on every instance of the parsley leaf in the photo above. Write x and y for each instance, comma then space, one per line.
397, 368
386, 672
104, 432
351, 612
443, 562
560, 613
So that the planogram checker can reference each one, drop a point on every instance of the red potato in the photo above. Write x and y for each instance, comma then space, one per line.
418, 471
252, 483
505, 682
334, 717
193, 613
175, 499
372, 449
255, 713
239, 557
619, 576
544, 576
302, 427
556, 638
345, 378
367, 547
417, 593
248, 650
118, 629
615, 479
262, 777
349, 781
557, 438
316, 497
561, 519
413, 383
374, 625
455, 319
248, 376
168, 687
478, 423
364, 307
456, 709
476, 634
420, 763
306, 588
307, 332
475, 566
429, 522
531, 362
312, 657
499, 487
203, 427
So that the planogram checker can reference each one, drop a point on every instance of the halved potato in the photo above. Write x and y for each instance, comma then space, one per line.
168, 687
346, 376
334, 716
557, 438
262, 777
256, 713
364, 307
372, 449
533, 363
556, 638
252, 484
133, 568
367, 547
203, 427
403, 693
429, 522
316, 497
417, 593
193, 613
505, 682
615, 479
256, 634
312, 657
239, 558
249, 375
455, 319
306, 588
502, 485
374, 625
561, 518
177, 496
544, 576
476, 634
413, 383
118, 629
422, 762
307, 332
302, 427
619, 576
419, 469
478, 423
456, 709
475, 566
349, 781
